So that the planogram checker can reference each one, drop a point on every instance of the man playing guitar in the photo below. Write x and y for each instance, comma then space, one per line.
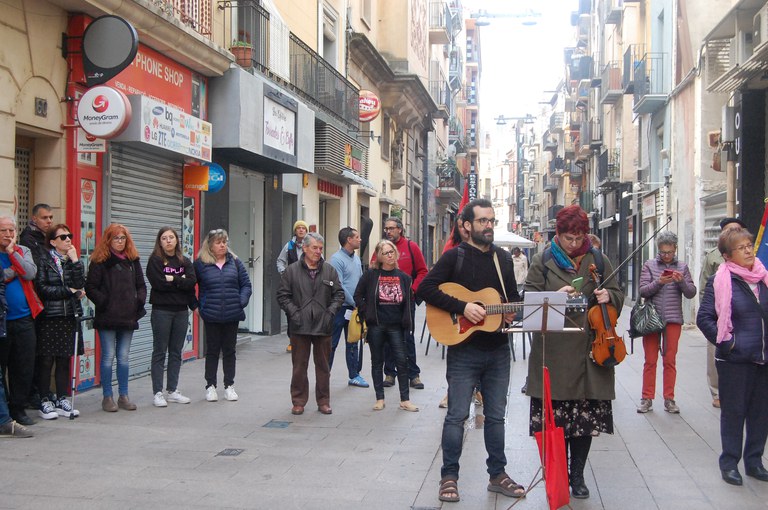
484, 356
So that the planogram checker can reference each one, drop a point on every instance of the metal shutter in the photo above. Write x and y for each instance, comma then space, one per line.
145, 194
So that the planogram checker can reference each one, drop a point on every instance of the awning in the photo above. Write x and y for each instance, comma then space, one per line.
359, 180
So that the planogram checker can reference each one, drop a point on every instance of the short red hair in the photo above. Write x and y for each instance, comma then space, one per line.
572, 220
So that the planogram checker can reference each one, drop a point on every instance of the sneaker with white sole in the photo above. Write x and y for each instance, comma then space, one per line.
646, 404
176, 397
229, 393
64, 408
210, 394
671, 407
159, 400
47, 410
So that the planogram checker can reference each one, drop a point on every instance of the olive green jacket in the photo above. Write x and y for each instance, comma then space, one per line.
711, 262
574, 376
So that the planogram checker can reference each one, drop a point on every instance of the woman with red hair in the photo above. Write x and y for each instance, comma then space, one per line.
116, 286
581, 390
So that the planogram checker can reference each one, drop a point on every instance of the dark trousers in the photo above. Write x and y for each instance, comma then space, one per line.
340, 325
17, 357
743, 390
320, 346
60, 376
169, 330
388, 335
220, 339
410, 351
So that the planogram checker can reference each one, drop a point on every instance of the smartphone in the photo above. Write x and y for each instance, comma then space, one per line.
667, 272
577, 283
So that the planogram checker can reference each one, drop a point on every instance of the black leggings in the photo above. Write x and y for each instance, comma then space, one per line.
61, 374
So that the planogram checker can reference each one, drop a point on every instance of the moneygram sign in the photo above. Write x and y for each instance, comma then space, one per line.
103, 112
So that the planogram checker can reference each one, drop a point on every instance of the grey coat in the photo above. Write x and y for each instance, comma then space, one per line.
310, 304
666, 298
574, 376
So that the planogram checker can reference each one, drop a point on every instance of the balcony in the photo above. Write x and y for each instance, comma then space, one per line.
609, 168
632, 57
557, 166
439, 22
610, 83
302, 70
586, 200
550, 183
649, 88
613, 11
552, 212
556, 122
548, 143
595, 133
577, 171
456, 134
439, 90
569, 146
585, 136
450, 185
471, 139
456, 70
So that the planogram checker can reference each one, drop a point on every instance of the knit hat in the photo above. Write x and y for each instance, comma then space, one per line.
726, 221
300, 223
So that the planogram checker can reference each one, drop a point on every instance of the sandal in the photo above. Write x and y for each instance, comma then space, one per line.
503, 484
406, 405
449, 491
379, 405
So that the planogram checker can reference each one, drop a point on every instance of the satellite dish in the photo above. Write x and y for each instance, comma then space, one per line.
110, 44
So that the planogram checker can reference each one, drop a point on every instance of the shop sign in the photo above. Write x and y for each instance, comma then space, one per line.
210, 178
279, 127
162, 79
353, 158
649, 206
369, 106
90, 143
103, 112
472, 186
174, 130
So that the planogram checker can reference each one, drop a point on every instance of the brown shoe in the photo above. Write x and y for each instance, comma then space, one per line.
716, 402
123, 402
297, 410
108, 405
325, 409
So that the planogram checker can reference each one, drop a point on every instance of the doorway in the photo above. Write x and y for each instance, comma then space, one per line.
246, 237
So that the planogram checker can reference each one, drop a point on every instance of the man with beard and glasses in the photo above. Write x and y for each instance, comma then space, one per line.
484, 356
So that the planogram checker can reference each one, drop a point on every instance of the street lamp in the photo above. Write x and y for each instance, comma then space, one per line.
501, 120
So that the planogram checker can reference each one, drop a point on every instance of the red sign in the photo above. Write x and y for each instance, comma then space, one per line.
158, 77
369, 106
87, 191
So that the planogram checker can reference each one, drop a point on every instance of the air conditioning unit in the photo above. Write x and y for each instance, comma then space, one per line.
760, 27
741, 47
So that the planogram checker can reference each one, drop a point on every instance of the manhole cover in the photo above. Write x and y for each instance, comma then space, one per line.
230, 452
277, 424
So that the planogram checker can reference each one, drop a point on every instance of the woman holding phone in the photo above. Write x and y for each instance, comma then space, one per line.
664, 280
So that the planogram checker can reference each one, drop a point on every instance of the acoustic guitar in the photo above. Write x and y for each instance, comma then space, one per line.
452, 329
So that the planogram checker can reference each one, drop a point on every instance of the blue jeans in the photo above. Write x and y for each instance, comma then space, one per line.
339, 325
169, 329
111, 341
5, 415
379, 337
465, 366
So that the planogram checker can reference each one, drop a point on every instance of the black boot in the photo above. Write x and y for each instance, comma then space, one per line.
579, 449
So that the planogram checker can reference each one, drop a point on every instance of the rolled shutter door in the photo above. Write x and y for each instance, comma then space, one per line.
146, 194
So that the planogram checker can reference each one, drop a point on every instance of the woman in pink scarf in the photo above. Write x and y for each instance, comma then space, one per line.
733, 316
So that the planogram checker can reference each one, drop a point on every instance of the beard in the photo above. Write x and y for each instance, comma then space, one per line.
481, 237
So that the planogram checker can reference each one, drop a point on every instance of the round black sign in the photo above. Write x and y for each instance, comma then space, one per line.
110, 44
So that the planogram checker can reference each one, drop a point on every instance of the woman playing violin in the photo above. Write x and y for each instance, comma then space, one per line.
581, 390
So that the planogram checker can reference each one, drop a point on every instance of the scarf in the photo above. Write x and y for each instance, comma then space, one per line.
562, 259
58, 260
120, 255
724, 292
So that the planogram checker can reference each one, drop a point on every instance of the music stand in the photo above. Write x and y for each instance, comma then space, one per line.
546, 309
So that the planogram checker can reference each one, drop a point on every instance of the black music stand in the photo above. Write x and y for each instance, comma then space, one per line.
550, 320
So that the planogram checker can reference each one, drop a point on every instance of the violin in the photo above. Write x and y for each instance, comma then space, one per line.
608, 349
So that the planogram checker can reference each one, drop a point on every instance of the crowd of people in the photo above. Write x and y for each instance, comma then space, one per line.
45, 282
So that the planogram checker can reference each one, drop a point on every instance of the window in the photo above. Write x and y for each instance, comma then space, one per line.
365, 12
386, 137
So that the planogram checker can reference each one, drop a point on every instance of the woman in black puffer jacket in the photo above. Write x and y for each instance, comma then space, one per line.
59, 283
116, 286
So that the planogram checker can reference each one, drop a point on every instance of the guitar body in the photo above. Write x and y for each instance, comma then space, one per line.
452, 329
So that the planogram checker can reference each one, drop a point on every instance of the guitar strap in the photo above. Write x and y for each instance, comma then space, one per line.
498, 271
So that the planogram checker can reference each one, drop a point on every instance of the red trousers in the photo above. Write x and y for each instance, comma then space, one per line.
651, 348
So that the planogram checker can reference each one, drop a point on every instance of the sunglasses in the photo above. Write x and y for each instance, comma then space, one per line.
63, 237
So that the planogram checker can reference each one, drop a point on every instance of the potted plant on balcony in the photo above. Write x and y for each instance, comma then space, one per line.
243, 52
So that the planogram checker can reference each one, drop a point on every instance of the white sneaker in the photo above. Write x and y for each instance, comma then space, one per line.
64, 408
229, 393
177, 397
159, 400
211, 395
47, 410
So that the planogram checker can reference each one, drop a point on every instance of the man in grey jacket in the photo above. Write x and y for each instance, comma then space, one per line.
310, 294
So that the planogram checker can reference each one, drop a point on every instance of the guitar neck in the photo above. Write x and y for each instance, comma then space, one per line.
503, 308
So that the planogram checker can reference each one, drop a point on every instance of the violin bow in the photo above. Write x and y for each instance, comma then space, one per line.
629, 257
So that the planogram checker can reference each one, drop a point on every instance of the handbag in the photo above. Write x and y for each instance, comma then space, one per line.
551, 442
356, 329
645, 320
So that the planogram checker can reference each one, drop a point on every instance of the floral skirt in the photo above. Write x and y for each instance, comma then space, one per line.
579, 418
